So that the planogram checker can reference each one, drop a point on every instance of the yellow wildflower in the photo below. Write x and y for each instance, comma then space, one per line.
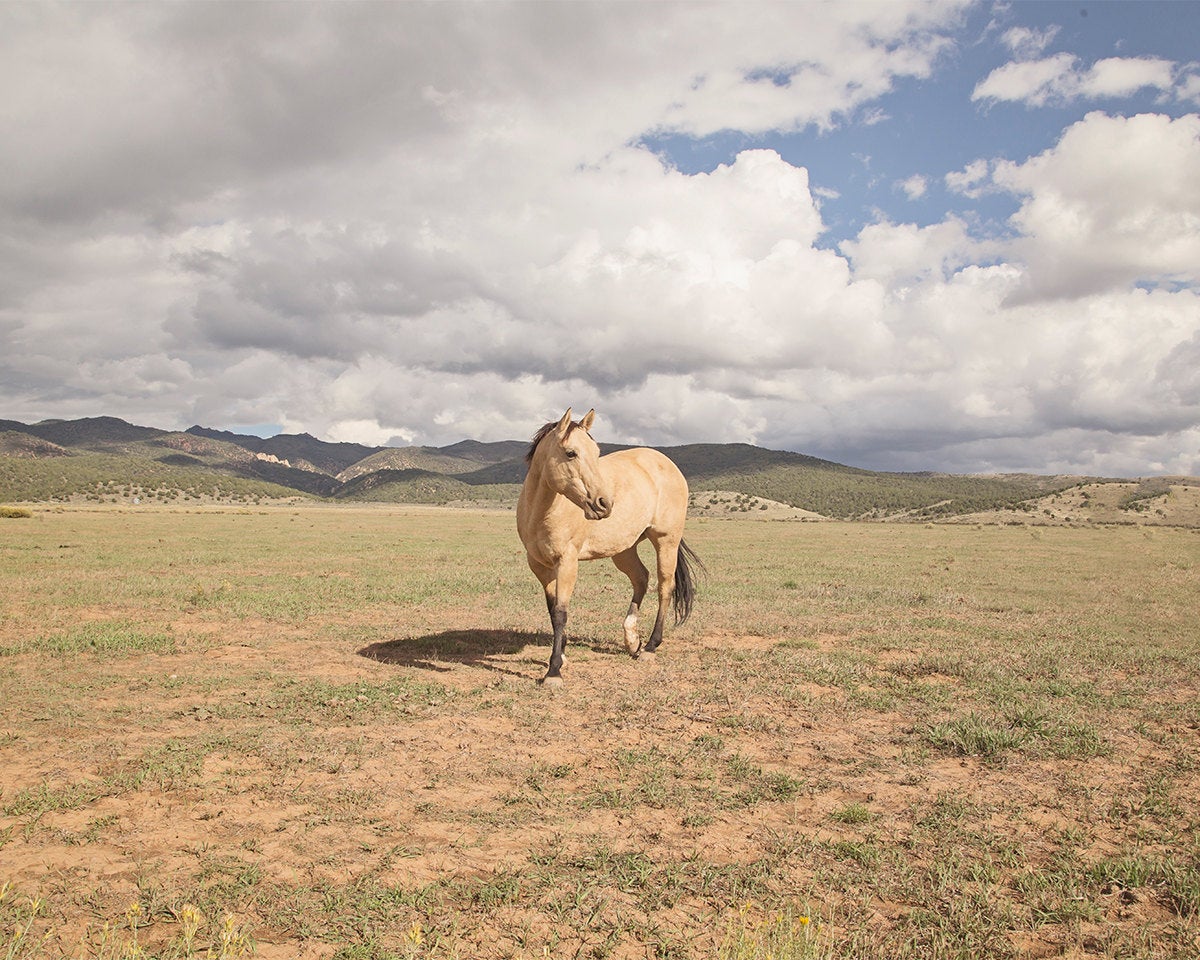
233, 943
416, 933
190, 919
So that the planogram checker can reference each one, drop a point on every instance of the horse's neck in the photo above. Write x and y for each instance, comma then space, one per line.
542, 503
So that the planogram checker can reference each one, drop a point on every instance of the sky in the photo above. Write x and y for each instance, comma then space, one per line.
901, 236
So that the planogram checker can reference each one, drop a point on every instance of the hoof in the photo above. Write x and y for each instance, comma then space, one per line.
551, 683
633, 643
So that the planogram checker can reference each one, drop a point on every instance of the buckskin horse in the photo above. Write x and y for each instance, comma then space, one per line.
577, 505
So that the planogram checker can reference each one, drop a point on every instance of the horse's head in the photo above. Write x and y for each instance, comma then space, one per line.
570, 462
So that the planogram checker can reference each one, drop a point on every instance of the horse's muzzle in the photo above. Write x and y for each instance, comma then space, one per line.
597, 509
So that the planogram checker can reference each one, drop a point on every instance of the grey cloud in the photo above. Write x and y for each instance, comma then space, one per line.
142, 107
328, 294
1179, 376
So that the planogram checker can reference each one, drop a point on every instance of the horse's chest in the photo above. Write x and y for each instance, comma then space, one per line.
550, 545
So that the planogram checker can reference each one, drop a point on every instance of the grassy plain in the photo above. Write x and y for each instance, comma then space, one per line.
315, 731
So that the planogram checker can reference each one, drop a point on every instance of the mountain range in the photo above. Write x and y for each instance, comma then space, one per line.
108, 459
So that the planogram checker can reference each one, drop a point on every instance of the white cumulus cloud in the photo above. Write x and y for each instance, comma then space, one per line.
914, 187
1116, 201
1062, 78
1028, 42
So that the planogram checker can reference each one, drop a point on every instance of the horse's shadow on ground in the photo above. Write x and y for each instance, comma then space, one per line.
484, 649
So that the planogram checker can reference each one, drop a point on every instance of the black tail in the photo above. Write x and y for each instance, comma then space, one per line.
685, 582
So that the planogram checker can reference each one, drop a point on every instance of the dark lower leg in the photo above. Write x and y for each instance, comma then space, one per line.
558, 618
657, 633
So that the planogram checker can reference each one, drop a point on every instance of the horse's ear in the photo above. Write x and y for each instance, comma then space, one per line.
564, 424
588, 420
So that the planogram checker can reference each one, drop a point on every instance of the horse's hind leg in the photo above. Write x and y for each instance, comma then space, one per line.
666, 550
630, 564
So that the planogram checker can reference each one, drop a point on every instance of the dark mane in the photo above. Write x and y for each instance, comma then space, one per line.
541, 435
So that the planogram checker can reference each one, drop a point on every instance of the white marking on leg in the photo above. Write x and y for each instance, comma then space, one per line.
632, 641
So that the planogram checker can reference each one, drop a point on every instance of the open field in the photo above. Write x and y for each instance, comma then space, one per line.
322, 722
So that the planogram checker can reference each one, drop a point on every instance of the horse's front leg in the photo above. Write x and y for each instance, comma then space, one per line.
558, 621
559, 584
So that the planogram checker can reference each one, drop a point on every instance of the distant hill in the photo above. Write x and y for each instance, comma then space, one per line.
429, 459
299, 450
15, 444
479, 452
92, 433
106, 459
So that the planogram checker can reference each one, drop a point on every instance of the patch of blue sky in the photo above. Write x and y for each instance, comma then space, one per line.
889, 160
263, 430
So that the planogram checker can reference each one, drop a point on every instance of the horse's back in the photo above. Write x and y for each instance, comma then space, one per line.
657, 466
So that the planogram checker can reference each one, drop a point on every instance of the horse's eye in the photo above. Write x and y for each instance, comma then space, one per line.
571, 454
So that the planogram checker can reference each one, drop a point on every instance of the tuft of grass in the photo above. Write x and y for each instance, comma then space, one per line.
107, 638
15, 513
975, 736
1061, 738
852, 813
34, 801
1041, 733
1176, 879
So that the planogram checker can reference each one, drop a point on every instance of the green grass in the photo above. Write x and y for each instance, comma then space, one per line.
852, 813
869, 742
102, 639
195, 936
975, 736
